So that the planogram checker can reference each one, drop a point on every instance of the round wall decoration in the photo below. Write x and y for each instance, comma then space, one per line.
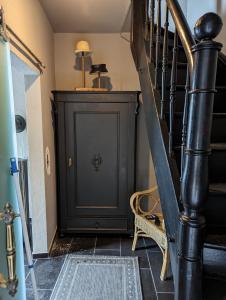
20, 123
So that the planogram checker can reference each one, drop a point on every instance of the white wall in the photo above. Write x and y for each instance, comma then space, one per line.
197, 8
221, 10
27, 102
20, 109
28, 20
115, 52
36, 163
110, 49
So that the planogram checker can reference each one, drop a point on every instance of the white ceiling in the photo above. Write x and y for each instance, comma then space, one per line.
91, 16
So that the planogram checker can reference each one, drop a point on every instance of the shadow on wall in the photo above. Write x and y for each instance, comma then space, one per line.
78, 63
105, 82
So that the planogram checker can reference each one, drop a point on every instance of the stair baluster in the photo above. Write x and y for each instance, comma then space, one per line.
164, 64
152, 26
173, 83
194, 187
158, 42
185, 119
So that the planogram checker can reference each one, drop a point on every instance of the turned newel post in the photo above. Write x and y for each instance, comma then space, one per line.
195, 171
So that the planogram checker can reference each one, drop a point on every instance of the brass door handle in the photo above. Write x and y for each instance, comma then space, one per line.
69, 162
8, 216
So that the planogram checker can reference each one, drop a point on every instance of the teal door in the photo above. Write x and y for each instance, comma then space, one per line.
7, 190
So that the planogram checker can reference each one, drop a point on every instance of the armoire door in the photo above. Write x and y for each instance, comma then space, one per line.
97, 146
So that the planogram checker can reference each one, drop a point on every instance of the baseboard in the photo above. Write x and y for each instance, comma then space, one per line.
51, 244
45, 254
40, 255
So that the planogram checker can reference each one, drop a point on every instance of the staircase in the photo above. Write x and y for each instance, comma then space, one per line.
183, 83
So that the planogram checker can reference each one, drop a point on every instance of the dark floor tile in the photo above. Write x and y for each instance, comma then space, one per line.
83, 245
107, 252
112, 243
155, 259
126, 250
61, 246
151, 245
46, 271
43, 294
148, 288
165, 296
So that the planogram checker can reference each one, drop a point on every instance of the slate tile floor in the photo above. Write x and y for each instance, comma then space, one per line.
150, 261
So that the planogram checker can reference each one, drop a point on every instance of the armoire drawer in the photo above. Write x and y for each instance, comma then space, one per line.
97, 224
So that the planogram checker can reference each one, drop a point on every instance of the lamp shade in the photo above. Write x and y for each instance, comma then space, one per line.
101, 68
83, 47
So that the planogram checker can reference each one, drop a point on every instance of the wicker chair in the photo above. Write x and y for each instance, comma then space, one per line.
145, 227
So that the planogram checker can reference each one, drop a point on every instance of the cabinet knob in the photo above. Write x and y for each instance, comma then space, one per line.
69, 162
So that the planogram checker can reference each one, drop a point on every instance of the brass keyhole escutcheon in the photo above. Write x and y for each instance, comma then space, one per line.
97, 161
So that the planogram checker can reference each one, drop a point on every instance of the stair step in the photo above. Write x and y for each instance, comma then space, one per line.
214, 288
170, 42
217, 163
218, 134
181, 56
218, 146
219, 188
181, 75
216, 241
215, 208
219, 102
221, 72
181, 87
214, 256
181, 65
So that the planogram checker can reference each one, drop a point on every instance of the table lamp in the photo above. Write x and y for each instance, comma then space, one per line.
98, 69
83, 50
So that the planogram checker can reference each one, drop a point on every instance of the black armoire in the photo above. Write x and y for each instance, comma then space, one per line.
95, 158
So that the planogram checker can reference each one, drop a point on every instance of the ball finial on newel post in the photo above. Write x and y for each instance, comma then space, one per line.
208, 26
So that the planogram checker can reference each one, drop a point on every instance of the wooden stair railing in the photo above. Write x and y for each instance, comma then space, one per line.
182, 200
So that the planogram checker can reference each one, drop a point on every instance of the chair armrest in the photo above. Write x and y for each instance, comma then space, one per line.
135, 201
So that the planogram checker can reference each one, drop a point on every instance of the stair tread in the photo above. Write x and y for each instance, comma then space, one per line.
214, 288
218, 146
170, 43
221, 87
219, 187
179, 113
217, 240
169, 64
180, 87
219, 115
213, 146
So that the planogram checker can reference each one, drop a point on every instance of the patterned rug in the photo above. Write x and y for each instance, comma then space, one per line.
98, 278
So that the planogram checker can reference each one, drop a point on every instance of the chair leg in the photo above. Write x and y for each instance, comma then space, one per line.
165, 264
135, 238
